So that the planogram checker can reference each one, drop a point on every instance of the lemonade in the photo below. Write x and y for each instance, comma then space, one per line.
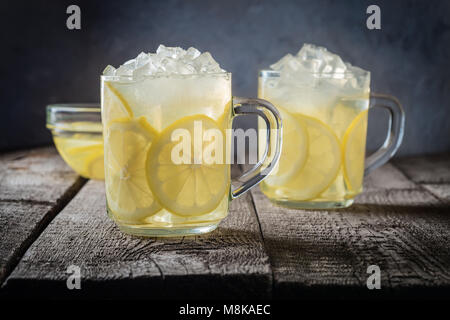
77, 133
82, 151
324, 106
145, 104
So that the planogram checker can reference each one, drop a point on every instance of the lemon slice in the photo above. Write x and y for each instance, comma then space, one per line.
95, 165
344, 112
80, 152
127, 142
188, 188
91, 159
294, 152
354, 144
322, 164
114, 105
159, 98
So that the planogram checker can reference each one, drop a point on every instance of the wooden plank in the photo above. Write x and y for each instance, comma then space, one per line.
394, 224
388, 177
34, 186
227, 263
426, 169
442, 191
39, 175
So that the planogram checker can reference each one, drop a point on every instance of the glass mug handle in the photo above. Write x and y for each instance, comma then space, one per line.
245, 106
395, 131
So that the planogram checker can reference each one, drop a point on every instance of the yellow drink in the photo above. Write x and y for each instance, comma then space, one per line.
167, 133
322, 160
147, 191
81, 145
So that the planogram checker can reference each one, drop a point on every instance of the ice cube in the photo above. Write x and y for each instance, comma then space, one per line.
205, 63
356, 70
186, 69
172, 52
309, 51
162, 50
316, 77
339, 65
168, 65
319, 60
360, 79
167, 60
285, 63
145, 70
142, 59
311, 57
124, 70
109, 71
332, 63
192, 53
130, 63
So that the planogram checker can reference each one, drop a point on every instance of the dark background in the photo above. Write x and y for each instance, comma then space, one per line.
43, 62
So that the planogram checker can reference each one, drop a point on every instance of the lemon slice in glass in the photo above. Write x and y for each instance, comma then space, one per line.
127, 142
354, 145
322, 163
187, 188
114, 105
293, 153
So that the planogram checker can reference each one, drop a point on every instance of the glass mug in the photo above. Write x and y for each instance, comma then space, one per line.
166, 145
322, 163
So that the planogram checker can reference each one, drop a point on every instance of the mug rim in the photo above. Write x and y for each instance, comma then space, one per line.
163, 75
269, 73
74, 107
59, 115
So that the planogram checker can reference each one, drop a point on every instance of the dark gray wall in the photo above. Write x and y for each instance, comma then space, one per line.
43, 62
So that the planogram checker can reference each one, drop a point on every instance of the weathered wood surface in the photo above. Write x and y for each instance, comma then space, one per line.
426, 169
395, 224
431, 172
229, 262
442, 191
401, 222
34, 186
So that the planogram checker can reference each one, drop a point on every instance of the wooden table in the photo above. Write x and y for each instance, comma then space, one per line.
50, 219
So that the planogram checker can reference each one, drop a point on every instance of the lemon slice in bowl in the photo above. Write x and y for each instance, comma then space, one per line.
192, 187
114, 105
90, 158
322, 164
95, 165
293, 153
80, 151
127, 142
354, 145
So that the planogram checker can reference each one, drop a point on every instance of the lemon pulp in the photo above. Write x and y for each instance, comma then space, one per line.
127, 142
354, 144
82, 151
323, 155
191, 188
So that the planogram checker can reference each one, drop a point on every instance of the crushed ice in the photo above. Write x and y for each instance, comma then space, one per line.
314, 62
167, 60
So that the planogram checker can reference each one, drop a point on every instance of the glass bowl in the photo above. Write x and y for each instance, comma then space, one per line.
77, 133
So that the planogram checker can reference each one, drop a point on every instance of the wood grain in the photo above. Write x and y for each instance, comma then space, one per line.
426, 169
394, 224
34, 186
387, 178
227, 263
401, 222
441, 191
